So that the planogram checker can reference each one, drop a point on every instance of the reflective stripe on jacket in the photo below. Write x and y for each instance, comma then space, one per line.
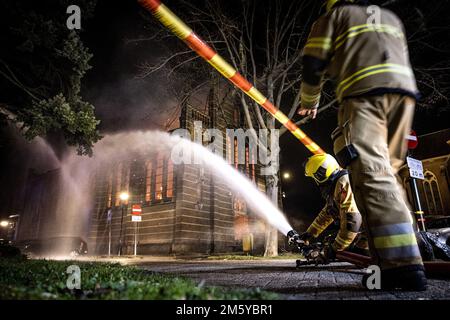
340, 205
362, 54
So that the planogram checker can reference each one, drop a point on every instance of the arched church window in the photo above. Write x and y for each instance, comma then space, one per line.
432, 193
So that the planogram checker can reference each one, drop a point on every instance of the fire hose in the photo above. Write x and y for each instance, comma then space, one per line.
312, 254
182, 31
438, 269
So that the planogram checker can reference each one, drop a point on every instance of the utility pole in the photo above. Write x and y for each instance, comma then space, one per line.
418, 207
121, 227
109, 217
415, 169
135, 237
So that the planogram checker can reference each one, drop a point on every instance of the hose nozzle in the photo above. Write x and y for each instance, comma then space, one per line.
294, 238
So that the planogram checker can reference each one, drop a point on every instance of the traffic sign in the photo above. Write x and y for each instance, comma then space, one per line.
415, 168
136, 218
136, 209
412, 140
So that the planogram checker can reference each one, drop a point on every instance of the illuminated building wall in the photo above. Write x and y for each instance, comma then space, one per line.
186, 208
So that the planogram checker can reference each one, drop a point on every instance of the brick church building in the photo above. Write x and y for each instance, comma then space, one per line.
185, 208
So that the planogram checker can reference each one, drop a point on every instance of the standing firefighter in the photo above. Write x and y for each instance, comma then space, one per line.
335, 187
364, 49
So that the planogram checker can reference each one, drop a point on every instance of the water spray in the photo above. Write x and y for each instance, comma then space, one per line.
75, 204
183, 32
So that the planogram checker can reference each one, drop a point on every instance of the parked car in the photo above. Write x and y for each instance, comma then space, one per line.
55, 246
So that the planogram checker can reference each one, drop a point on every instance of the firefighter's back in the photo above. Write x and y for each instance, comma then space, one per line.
369, 51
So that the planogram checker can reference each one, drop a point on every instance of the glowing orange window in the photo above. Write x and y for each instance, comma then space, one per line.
169, 193
247, 161
159, 177
252, 165
109, 192
236, 154
118, 183
148, 181
228, 150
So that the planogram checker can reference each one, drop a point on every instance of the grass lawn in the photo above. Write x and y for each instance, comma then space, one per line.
44, 279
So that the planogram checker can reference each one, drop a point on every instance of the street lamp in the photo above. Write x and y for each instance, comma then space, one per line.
124, 196
4, 224
286, 175
15, 223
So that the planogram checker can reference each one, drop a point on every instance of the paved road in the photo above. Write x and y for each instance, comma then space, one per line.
336, 281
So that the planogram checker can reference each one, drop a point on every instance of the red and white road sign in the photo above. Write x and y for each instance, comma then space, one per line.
136, 209
412, 140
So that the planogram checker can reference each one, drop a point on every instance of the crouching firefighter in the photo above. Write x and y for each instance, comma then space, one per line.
364, 50
339, 206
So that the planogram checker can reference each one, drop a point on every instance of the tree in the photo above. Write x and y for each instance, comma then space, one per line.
426, 27
42, 64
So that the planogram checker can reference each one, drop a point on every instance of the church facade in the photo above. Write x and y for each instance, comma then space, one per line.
186, 209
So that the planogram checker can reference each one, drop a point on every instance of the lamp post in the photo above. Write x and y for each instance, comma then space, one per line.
109, 220
16, 222
123, 199
4, 224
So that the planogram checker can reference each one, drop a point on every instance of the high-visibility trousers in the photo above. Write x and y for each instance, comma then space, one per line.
375, 128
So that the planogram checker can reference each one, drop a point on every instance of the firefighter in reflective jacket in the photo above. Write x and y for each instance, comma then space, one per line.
364, 50
340, 205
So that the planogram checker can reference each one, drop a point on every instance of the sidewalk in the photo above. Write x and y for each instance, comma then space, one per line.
335, 281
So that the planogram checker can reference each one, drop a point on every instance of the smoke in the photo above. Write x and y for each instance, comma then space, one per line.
129, 103
124, 102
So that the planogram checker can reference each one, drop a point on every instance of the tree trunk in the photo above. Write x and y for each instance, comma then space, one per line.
271, 245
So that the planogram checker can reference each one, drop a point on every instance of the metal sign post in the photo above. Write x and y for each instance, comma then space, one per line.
416, 172
120, 233
109, 220
135, 238
109, 241
136, 219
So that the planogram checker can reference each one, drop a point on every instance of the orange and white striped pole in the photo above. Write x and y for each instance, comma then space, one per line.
182, 31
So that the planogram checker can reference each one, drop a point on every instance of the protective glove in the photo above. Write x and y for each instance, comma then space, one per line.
303, 111
306, 237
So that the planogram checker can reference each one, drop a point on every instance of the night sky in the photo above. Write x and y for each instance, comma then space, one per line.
124, 102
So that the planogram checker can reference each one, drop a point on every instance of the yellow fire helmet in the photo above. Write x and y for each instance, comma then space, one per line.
321, 167
330, 3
